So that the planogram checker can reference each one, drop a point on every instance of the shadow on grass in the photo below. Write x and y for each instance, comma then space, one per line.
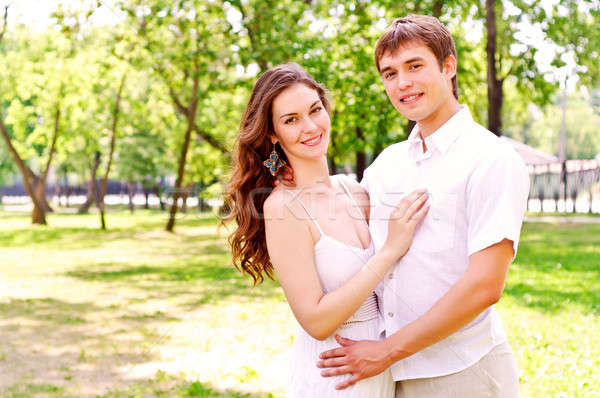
47, 309
88, 233
550, 300
46, 354
208, 281
171, 386
557, 267
66, 340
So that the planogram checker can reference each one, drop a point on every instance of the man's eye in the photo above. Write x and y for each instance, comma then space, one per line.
415, 66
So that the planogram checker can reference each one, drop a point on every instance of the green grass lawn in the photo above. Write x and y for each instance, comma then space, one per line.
139, 312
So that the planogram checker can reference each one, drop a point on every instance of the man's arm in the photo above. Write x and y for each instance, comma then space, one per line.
480, 287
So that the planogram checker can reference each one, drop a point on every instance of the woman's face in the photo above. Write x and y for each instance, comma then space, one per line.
301, 123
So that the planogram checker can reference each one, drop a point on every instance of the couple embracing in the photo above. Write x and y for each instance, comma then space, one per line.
393, 281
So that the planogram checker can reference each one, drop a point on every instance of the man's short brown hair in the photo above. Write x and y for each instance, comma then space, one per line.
421, 29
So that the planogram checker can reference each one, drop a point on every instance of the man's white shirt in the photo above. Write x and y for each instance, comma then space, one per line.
478, 186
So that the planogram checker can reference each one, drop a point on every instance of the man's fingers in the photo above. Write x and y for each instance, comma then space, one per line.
416, 206
336, 352
331, 363
349, 382
340, 370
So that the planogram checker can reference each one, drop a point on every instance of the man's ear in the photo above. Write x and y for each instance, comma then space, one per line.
450, 66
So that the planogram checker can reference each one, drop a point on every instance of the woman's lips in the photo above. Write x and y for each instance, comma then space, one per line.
313, 141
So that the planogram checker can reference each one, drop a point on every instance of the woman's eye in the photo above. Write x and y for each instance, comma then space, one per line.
290, 120
416, 66
317, 109
388, 75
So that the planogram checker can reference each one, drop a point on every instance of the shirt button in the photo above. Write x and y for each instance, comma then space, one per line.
390, 276
391, 314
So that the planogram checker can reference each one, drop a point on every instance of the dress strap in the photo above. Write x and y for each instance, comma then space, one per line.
341, 179
310, 216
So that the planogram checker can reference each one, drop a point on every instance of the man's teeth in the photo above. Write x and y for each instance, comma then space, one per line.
412, 97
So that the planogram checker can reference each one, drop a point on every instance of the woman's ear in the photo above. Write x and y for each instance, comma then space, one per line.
273, 139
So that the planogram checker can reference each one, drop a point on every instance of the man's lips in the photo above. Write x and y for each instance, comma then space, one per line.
410, 98
313, 141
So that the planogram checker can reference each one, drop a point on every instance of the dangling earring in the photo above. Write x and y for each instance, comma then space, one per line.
273, 163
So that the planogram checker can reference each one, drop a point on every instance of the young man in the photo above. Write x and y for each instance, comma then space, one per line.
444, 336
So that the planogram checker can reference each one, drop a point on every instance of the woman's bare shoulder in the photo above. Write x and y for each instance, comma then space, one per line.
280, 203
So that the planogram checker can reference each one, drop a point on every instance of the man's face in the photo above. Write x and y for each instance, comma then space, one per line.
414, 82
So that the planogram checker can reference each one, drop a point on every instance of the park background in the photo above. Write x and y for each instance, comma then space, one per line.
118, 120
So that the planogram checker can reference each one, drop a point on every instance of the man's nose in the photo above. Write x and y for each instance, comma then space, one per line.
404, 83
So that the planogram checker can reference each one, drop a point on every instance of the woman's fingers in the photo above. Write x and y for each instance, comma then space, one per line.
415, 206
405, 203
420, 214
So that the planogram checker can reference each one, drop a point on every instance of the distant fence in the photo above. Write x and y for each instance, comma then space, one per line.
581, 193
546, 191
113, 188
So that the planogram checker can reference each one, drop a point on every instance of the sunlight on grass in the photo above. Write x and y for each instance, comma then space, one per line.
136, 311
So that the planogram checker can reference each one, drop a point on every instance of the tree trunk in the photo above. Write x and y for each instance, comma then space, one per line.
40, 192
437, 8
40, 182
158, 191
113, 135
4, 22
186, 195
494, 84
191, 120
89, 198
202, 205
131, 193
332, 149
361, 157
98, 197
38, 215
146, 196
411, 125
92, 189
332, 165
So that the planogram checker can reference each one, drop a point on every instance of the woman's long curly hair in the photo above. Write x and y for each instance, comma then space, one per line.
251, 182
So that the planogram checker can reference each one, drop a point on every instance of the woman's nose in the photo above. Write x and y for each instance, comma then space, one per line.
308, 124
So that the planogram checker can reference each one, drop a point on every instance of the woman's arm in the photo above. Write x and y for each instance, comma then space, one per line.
291, 250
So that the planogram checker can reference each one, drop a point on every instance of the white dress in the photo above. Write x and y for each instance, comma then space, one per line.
336, 263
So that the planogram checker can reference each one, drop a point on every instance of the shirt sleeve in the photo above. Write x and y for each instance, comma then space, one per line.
370, 171
365, 180
497, 193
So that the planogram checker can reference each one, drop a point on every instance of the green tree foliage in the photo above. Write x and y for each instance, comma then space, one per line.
185, 43
7, 169
39, 87
582, 123
190, 65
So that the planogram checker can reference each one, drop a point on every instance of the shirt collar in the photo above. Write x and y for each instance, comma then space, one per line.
444, 136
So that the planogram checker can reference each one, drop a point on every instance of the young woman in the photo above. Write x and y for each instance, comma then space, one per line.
314, 237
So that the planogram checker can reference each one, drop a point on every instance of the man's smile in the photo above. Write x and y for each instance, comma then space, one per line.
411, 98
